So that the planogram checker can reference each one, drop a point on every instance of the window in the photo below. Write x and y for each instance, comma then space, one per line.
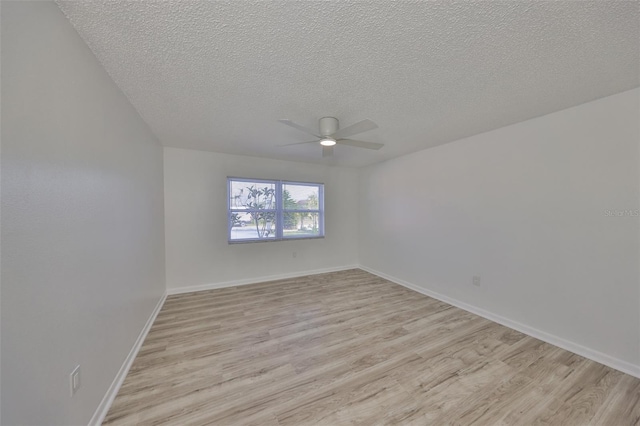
273, 210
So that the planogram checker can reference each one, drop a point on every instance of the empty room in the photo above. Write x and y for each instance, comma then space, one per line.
319, 213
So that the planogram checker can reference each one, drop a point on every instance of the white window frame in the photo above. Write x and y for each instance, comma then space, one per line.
279, 210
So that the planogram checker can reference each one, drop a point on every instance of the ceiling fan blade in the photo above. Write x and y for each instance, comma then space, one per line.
327, 151
300, 127
359, 127
299, 143
360, 144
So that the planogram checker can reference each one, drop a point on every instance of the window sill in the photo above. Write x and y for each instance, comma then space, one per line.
273, 240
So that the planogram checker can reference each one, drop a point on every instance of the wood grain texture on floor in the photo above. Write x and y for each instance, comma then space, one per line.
350, 348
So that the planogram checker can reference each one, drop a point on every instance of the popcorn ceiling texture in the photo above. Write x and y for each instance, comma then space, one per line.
217, 75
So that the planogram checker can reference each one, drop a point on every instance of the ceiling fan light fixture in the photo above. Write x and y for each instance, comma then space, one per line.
327, 142
330, 134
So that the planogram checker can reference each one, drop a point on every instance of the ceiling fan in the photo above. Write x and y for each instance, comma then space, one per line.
329, 134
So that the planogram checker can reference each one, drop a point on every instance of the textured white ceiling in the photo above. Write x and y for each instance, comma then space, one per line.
217, 75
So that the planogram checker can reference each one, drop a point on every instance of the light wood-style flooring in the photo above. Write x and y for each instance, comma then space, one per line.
349, 348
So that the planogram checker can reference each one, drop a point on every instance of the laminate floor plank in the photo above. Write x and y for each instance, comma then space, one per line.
351, 348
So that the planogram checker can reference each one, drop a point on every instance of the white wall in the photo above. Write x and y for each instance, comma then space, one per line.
82, 221
524, 208
0, 214
197, 252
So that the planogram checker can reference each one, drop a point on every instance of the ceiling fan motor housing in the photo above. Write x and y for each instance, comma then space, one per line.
328, 126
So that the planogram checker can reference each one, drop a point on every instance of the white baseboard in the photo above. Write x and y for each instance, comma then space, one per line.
105, 404
234, 283
602, 358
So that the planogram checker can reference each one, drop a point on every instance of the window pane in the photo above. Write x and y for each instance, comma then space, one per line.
300, 197
269, 210
252, 195
253, 225
298, 225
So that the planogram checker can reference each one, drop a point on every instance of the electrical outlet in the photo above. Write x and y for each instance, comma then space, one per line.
476, 280
74, 379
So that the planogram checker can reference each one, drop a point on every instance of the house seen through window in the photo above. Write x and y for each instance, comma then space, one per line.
272, 210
